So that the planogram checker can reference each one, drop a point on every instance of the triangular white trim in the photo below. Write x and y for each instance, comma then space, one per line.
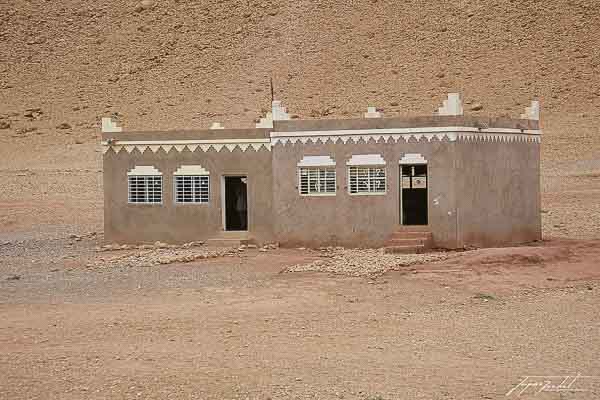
316, 161
144, 170
413, 158
191, 170
366, 159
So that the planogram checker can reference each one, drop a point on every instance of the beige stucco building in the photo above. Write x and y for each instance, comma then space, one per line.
468, 181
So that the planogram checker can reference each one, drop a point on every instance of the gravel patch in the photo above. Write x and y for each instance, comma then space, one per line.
162, 256
365, 262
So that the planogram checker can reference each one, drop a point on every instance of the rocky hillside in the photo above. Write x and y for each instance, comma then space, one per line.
184, 64
169, 63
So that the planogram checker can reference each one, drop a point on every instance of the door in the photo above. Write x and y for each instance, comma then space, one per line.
413, 203
236, 203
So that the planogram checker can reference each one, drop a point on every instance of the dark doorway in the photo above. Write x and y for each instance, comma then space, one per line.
414, 194
236, 203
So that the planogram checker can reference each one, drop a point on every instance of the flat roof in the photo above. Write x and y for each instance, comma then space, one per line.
299, 125
190, 134
296, 125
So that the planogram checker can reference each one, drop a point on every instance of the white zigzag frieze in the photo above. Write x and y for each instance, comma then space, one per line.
499, 138
390, 138
191, 147
394, 138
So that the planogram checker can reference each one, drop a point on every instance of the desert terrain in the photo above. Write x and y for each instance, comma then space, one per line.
243, 325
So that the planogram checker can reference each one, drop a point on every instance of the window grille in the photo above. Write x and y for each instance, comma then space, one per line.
363, 180
145, 189
317, 181
192, 188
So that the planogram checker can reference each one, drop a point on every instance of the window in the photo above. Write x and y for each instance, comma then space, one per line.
144, 185
317, 180
192, 188
363, 180
145, 189
366, 174
191, 184
316, 176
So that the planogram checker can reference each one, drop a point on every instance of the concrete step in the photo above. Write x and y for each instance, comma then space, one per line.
226, 242
405, 249
413, 228
232, 235
406, 242
411, 235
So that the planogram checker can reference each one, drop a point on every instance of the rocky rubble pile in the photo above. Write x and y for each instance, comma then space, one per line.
156, 245
364, 262
161, 253
160, 256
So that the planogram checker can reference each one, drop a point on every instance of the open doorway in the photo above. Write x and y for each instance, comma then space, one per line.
236, 203
413, 201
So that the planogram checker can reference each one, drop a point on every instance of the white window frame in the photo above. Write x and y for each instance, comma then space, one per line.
196, 198
370, 162
320, 170
369, 179
195, 173
145, 174
324, 164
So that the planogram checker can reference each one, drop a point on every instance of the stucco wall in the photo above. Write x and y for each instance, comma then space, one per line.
482, 193
499, 192
358, 221
176, 223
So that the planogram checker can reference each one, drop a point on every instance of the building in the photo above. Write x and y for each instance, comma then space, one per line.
469, 181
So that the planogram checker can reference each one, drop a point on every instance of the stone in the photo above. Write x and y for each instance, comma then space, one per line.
4, 125
144, 5
364, 262
63, 125
476, 107
33, 113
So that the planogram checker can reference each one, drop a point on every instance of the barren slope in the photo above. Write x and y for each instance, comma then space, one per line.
187, 64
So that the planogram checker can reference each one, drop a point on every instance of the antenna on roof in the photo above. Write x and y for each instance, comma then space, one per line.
272, 93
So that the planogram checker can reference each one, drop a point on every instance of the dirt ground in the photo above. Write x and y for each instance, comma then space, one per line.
237, 327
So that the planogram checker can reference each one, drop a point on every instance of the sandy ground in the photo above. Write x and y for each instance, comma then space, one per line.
239, 328
472, 326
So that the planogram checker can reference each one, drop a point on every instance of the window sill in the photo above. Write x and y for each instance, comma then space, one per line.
369, 194
318, 195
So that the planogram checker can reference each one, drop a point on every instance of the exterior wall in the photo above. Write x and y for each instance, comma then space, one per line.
178, 223
359, 220
482, 192
498, 186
